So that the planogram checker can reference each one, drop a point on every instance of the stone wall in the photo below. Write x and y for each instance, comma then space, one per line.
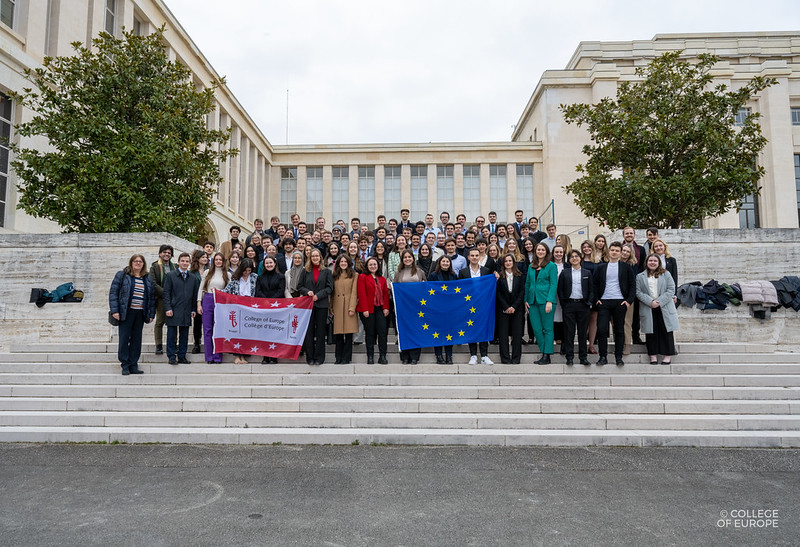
91, 260
47, 260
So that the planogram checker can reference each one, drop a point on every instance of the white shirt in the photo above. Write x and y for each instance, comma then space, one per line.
652, 285
510, 281
612, 291
473, 273
577, 288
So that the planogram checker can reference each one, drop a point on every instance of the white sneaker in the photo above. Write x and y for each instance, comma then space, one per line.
473, 360
486, 361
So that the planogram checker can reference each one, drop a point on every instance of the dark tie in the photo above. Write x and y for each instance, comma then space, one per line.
183, 275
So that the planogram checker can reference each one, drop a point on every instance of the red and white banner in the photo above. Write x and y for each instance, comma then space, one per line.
273, 327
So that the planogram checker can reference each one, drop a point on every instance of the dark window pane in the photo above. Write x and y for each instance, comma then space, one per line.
3, 159
5, 107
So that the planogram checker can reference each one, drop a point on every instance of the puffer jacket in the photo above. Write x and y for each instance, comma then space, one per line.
121, 293
759, 292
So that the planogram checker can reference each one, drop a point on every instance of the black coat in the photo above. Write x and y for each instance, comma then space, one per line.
564, 287
465, 273
270, 285
627, 281
180, 296
513, 299
322, 288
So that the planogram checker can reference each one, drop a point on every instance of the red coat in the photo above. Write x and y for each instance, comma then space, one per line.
366, 292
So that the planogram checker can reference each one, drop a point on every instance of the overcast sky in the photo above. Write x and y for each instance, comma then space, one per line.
370, 71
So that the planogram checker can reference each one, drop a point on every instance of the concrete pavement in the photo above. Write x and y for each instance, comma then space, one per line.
73, 494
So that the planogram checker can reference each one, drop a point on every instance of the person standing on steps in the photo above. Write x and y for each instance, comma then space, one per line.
132, 302
474, 269
158, 271
373, 306
615, 289
540, 299
180, 296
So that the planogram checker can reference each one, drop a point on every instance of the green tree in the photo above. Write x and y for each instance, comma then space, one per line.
666, 151
129, 150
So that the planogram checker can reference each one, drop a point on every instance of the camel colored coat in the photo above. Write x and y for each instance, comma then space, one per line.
343, 300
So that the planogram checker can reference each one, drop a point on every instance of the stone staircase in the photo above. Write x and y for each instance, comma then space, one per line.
729, 395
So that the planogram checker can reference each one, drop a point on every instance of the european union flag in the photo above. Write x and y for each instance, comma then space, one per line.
434, 313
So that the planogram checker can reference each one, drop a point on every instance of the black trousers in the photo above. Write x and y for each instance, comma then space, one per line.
130, 339
608, 311
510, 324
411, 354
197, 329
473, 348
375, 327
344, 347
576, 317
315, 336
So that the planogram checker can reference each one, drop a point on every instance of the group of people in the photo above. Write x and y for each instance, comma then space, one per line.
563, 291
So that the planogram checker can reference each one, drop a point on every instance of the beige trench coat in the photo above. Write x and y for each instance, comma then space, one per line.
343, 300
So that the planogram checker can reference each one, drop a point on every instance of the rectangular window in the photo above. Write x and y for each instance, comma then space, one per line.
341, 194
313, 193
138, 27
525, 189
366, 195
288, 191
445, 192
111, 13
419, 192
741, 116
748, 213
7, 12
391, 191
795, 116
5, 137
797, 182
472, 192
498, 194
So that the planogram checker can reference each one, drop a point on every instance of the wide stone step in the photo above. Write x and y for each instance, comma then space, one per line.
435, 405
696, 422
405, 391
112, 377
497, 437
111, 347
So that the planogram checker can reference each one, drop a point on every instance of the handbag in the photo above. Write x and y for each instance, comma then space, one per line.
111, 321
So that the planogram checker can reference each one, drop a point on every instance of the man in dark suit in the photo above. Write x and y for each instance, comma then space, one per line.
519, 222
535, 234
404, 221
575, 295
158, 273
615, 290
180, 295
474, 269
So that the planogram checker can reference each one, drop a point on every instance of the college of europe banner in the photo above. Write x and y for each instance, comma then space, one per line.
273, 327
435, 313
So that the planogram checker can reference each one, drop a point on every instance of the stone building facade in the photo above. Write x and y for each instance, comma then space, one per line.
341, 181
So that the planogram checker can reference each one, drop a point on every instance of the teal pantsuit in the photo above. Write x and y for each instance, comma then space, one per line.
539, 290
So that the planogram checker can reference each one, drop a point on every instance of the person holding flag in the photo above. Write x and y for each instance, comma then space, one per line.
474, 269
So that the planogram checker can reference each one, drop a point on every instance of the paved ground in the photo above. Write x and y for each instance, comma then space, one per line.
372, 495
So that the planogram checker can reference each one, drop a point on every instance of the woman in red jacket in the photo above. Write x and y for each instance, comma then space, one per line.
373, 306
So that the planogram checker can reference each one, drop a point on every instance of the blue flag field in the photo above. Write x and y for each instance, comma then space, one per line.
435, 313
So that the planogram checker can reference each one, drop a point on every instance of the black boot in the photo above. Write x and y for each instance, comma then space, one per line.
159, 349
370, 356
382, 359
544, 360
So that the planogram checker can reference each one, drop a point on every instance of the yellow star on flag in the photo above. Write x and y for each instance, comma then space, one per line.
444, 287
472, 310
468, 298
461, 333
436, 335
470, 322
422, 314
425, 326
458, 289
449, 337
422, 302
431, 292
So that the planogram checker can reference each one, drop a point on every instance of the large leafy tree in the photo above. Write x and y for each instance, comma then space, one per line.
129, 149
666, 151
